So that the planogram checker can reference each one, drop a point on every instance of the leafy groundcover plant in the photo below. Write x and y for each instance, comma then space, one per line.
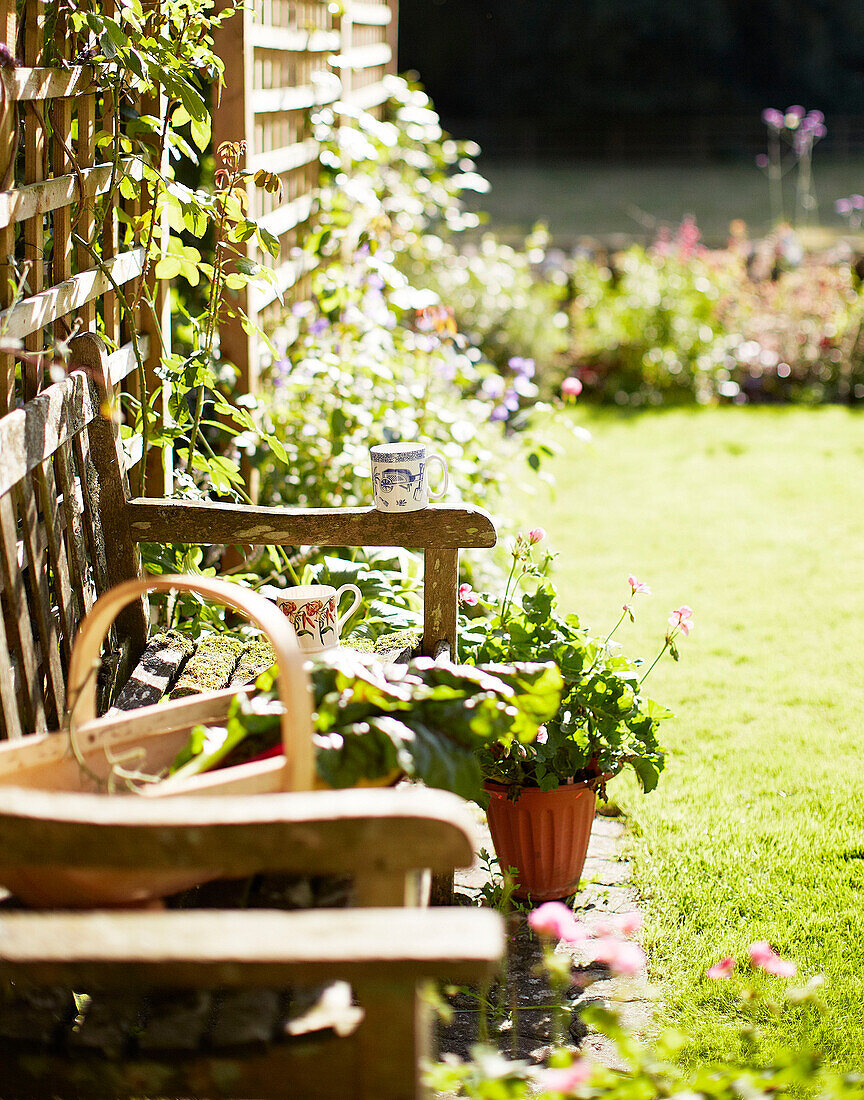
651, 1071
604, 723
425, 720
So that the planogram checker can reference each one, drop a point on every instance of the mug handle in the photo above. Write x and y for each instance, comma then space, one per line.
358, 596
440, 492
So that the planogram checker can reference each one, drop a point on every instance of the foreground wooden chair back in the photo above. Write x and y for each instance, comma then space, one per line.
69, 532
226, 1037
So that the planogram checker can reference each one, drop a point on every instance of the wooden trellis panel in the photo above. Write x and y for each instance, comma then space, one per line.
282, 59
50, 182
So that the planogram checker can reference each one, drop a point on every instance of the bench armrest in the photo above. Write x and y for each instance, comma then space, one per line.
248, 948
441, 530
443, 526
358, 832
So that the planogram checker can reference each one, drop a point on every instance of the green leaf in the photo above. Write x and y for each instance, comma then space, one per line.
168, 267
201, 132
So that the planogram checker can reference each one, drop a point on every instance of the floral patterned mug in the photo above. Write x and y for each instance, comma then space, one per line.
400, 476
313, 611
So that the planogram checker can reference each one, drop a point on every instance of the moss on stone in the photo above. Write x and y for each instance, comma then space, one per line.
211, 667
257, 656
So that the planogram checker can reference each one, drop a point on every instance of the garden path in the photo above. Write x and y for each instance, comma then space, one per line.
605, 889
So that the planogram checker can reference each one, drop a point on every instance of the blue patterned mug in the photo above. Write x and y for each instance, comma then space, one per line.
400, 476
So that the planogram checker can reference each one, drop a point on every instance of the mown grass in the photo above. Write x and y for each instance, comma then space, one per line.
606, 199
755, 517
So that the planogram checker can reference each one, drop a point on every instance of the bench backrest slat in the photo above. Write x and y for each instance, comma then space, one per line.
62, 543
36, 548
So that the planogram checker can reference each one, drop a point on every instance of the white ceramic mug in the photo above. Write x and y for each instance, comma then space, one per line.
400, 476
313, 611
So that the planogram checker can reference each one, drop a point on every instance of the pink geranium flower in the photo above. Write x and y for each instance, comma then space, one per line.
536, 534
680, 619
763, 955
638, 586
551, 919
721, 969
555, 920
467, 595
566, 1079
571, 388
621, 956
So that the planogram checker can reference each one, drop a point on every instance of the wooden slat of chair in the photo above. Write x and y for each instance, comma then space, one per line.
79, 569
252, 948
57, 558
11, 714
383, 953
18, 620
87, 480
41, 599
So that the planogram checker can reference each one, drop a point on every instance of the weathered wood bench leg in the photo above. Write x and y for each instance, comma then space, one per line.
393, 1039
389, 889
440, 588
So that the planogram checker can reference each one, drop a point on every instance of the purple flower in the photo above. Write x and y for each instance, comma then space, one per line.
843, 206
797, 110
511, 400
499, 413
319, 325
446, 369
525, 367
816, 117
857, 201
375, 282
493, 386
762, 160
773, 118
7, 58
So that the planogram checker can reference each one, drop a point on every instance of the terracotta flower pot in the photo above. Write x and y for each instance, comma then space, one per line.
544, 835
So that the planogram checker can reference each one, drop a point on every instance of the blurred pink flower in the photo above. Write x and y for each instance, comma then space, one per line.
680, 619
763, 955
552, 919
638, 586
721, 969
762, 161
536, 534
542, 736
621, 956
555, 920
564, 1080
843, 206
630, 923
619, 924
571, 387
773, 118
467, 595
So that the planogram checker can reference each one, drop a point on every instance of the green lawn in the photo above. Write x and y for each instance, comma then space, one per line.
607, 199
755, 517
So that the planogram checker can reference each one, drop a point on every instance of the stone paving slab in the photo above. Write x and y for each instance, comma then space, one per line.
523, 994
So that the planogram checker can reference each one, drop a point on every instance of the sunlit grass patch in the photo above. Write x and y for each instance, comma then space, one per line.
754, 517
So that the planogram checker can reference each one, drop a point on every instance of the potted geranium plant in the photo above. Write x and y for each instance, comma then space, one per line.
542, 795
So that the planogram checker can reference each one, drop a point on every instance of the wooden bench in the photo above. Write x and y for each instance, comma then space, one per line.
68, 532
226, 1035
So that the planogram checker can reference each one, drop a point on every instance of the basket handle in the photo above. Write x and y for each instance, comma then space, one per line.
294, 688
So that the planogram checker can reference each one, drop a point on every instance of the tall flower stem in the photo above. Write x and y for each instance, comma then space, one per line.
775, 177
666, 645
506, 601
